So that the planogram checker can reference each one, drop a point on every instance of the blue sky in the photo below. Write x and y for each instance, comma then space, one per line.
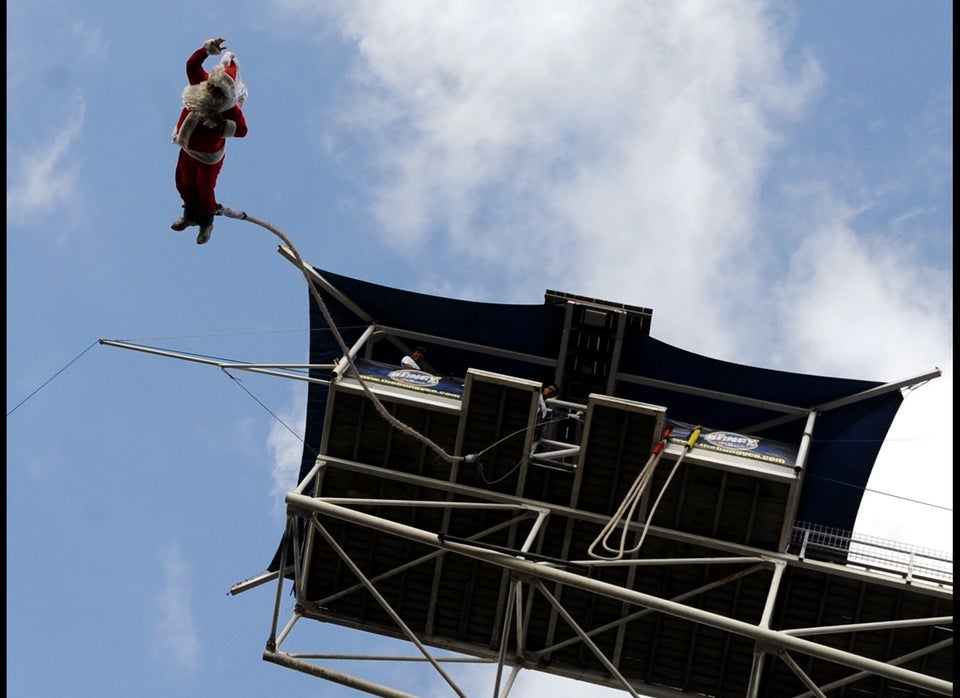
773, 179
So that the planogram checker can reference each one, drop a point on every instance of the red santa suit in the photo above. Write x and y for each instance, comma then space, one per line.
202, 135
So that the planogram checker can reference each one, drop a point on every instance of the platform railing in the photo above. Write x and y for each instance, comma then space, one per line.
910, 562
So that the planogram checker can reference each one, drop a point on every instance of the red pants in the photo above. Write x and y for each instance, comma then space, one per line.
197, 183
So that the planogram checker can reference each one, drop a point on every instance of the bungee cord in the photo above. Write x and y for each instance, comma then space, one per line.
628, 507
381, 410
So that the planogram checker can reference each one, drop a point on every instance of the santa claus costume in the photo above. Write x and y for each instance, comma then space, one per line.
212, 112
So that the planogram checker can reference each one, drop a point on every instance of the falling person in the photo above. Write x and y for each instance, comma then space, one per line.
212, 112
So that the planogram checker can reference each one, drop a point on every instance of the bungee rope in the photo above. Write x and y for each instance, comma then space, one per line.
381, 410
625, 512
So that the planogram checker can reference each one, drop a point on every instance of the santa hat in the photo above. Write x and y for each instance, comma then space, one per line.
226, 76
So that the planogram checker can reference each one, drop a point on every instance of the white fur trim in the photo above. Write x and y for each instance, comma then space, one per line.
240, 88
218, 76
212, 48
206, 158
241, 92
229, 128
182, 135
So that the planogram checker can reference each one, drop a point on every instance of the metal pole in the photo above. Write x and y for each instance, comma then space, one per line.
253, 368
762, 635
369, 687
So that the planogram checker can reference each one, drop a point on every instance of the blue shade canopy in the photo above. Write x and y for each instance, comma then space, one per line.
852, 417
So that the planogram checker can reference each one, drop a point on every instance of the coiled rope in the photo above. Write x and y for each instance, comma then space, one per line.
627, 509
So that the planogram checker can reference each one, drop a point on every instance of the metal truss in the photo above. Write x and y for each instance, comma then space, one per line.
531, 576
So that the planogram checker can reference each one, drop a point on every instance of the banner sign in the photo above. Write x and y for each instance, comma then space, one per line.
411, 379
729, 442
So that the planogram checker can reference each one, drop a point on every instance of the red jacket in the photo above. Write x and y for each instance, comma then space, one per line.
206, 139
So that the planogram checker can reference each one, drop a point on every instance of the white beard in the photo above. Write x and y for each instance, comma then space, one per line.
197, 99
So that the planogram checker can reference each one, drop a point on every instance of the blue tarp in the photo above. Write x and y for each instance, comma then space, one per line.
845, 441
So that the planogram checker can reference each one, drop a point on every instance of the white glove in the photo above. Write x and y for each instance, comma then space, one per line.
214, 46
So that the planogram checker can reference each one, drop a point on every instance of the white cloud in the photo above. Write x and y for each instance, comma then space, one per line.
617, 146
287, 448
480, 680
176, 639
45, 181
910, 494
868, 304
88, 40
843, 294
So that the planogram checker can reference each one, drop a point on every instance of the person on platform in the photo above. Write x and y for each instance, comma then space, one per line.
546, 426
413, 359
547, 392
211, 113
